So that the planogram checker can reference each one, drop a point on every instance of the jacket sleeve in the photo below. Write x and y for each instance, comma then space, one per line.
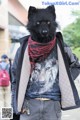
74, 65
14, 72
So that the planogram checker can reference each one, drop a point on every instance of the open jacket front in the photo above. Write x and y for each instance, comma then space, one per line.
69, 70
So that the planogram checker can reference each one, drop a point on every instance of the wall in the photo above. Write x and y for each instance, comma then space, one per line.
4, 39
17, 10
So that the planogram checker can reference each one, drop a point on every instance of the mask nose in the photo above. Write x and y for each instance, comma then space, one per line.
44, 32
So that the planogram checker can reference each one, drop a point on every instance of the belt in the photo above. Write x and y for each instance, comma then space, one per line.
42, 99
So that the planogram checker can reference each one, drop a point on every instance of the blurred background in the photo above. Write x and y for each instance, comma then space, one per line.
13, 20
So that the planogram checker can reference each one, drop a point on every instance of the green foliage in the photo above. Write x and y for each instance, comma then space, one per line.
71, 33
76, 52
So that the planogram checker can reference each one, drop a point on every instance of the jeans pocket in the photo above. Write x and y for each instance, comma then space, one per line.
26, 107
57, 109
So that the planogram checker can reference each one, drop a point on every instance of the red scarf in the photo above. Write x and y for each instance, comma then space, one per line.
39, 51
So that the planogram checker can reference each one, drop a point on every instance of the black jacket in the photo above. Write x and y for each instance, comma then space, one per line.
72, 70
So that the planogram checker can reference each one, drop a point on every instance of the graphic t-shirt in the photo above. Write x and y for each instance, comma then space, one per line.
44, 78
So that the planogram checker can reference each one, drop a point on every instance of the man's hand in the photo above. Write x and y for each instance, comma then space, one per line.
23, 111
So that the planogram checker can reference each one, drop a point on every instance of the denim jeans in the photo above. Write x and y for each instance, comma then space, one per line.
42, 110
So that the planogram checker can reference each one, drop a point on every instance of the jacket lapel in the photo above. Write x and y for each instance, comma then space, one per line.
67, 97
24, 78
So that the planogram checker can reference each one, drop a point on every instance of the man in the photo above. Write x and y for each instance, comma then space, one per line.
4, 82
43, 70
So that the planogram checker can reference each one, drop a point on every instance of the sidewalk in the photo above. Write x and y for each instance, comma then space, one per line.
71, 114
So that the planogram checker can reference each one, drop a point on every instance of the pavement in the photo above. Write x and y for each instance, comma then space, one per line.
71, 114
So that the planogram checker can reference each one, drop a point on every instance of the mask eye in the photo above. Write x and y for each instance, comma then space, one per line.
38, 23
48, 22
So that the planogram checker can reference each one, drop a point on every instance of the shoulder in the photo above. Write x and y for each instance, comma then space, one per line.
24, 39
59, 35
21, 49
23, 42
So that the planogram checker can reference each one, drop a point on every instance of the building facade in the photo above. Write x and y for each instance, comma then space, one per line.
4, 37
13, 18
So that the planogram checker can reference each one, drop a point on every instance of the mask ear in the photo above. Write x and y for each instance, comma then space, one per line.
31, 11
52, 10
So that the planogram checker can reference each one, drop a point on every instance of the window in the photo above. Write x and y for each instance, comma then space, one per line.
0, 1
